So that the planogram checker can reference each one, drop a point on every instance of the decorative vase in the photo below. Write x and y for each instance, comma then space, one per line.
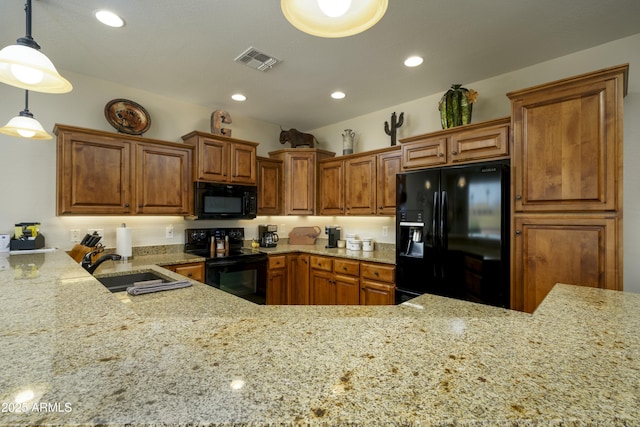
456, 106
347, 141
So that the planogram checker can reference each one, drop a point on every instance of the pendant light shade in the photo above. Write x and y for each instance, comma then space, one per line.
24, 125
333, 18
23, 65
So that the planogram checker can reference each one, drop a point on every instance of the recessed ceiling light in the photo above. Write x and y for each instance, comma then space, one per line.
238, 97
413, 61
109, 18
338, 95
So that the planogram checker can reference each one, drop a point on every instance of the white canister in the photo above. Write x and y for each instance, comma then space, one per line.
354, 245
367, 244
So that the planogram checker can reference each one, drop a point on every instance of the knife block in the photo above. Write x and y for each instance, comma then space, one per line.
79, 251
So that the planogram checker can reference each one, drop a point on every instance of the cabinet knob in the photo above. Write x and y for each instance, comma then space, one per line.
518, 232
440, 154
140, 205
454, 152
190, 275
518, 197
376, 273
126, 205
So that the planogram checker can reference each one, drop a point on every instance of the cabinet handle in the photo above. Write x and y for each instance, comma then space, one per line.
440, 154
518, 197
190, 275
518, 232
344, 268
126, 205
454, 152
375, 273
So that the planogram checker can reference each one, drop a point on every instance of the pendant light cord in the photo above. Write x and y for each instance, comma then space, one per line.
27, 40
26, 112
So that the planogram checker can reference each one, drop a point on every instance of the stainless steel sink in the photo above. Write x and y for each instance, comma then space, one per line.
122, 282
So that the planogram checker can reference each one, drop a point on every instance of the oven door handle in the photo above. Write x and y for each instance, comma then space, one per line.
223, 264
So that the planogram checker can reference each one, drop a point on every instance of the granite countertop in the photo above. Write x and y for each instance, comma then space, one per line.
71, 353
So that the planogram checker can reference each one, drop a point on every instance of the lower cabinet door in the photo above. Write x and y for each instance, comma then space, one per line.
322, 289
277, 287
376, 293
347, 290
571, 249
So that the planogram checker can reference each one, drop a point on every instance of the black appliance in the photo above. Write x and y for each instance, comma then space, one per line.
452, 233
333, 235
268, 236
237, 270
225, 201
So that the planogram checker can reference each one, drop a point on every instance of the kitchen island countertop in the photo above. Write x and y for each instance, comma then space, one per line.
72, 353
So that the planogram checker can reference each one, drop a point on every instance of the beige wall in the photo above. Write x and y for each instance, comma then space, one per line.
27, 168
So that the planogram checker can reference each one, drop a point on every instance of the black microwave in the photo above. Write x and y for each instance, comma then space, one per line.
225, 201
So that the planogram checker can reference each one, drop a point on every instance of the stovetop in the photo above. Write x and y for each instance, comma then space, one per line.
198, 242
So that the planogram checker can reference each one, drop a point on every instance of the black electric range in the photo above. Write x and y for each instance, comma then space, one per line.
229, 266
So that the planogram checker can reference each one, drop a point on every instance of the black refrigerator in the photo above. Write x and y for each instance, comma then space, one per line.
452, 233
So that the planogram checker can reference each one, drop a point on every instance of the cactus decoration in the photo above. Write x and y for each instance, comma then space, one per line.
456, 105
391, 131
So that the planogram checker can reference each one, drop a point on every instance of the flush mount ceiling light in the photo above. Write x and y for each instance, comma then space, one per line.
338, 95
333, 18
24, 125
413, 61
238, 97
23, 65
109, 18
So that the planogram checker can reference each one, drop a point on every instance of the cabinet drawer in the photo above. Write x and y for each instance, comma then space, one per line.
277, 261
191, 271
379, 272
321, 263
350, 268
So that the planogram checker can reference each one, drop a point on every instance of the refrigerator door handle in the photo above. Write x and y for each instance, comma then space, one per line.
443, 232
434, 219
443, 220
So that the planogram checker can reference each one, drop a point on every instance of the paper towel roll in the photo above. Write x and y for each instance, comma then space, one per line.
123, 242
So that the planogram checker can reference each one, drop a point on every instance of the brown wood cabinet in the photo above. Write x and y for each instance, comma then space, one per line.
359, 184
298, 278
103, 173
567, 185
389, 164
192, 270
277, 292
486, 140
377, 284
222, 159
333, 281
301, 279
163, 180
300, 168
331, 187
270, 186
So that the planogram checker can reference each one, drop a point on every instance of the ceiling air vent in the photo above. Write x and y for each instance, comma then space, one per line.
253, 58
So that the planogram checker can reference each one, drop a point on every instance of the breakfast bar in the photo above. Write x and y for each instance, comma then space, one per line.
72, 353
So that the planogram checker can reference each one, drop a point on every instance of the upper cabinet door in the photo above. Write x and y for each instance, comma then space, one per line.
94, 175
388, 167
360, 186
163, 180
213, 160
243, 164
567, 144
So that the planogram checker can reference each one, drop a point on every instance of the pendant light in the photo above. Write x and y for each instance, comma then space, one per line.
333, 18
24, 125
23, 65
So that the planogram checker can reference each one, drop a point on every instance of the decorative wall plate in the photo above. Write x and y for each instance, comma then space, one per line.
127, 116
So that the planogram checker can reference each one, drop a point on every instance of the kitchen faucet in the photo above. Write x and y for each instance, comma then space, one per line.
91, 267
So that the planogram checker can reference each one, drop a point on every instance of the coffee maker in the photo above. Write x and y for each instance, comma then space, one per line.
333, 234
268, 236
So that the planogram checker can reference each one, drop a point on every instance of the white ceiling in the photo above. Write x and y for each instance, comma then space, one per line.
185, 49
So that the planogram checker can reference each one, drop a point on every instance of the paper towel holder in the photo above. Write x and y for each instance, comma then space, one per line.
124, 243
